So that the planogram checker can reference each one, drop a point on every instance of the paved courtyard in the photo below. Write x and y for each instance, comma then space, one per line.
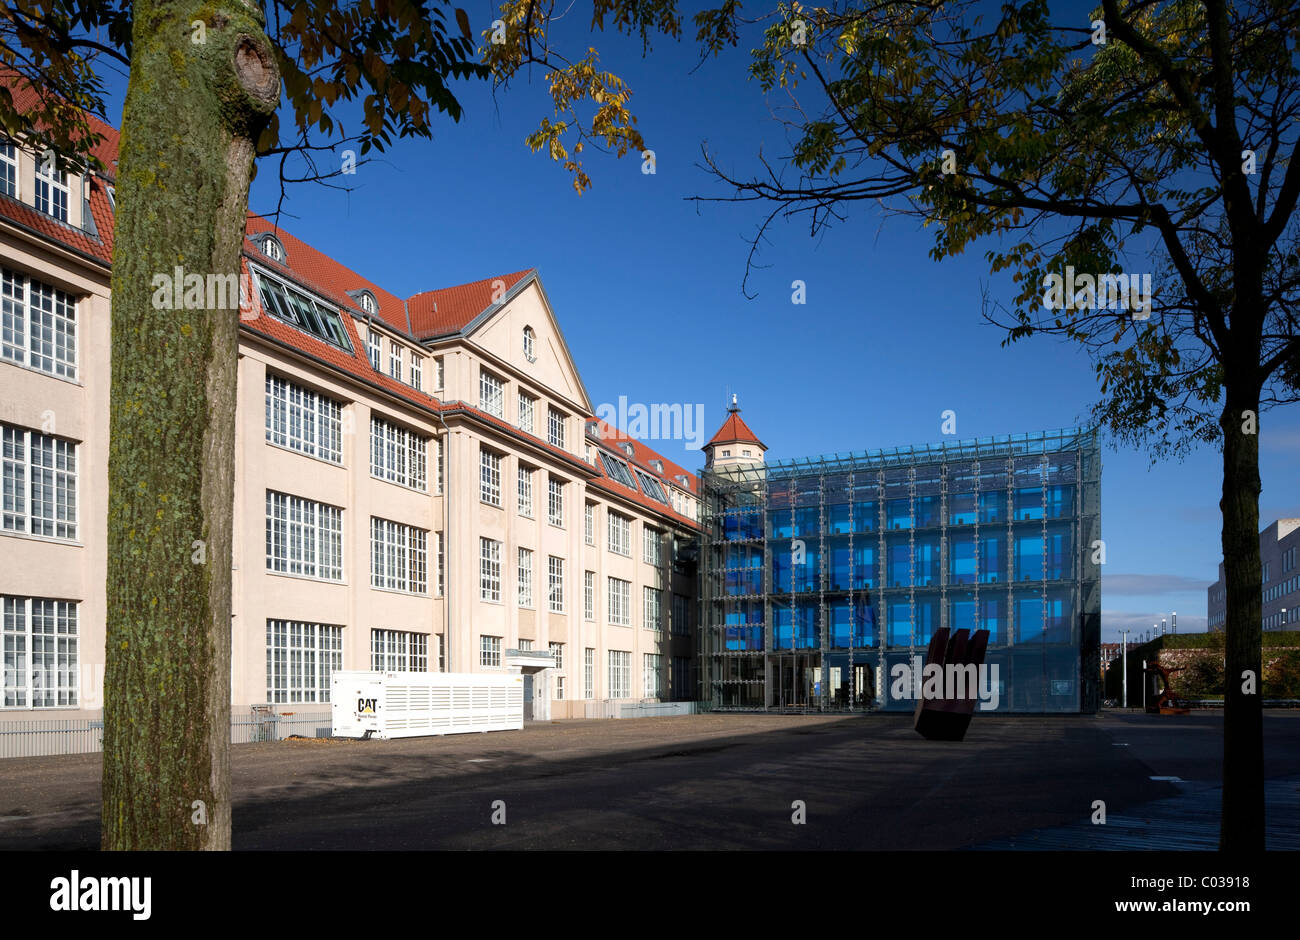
700, 782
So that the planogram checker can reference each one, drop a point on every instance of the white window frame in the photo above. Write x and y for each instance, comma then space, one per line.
652, 665
555, 584
651, 546
9, 179
489, 651
398, 455
38, 326
525, 491
620, 533
620, 674
589, 595
555, 501
302, 420
619, 596
38, 484
557, 653
399, 651
439, 374
489, 570
304, 538
395, 360
589, 523
40, 638
417, 371
489, 477
527, 412
399, 559
374, 348
50, 186
555, 420
530, 344
300, 659
525, 579
653, 607
589, 672
491, 394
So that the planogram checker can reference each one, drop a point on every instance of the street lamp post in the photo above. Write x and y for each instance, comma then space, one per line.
1124, 668
1174, 624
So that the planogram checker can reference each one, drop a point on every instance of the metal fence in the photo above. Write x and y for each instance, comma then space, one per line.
646, 708
86, 735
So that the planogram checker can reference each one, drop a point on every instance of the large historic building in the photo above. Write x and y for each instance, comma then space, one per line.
421, 482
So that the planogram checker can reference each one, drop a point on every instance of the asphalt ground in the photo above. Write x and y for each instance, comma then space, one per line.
717, 781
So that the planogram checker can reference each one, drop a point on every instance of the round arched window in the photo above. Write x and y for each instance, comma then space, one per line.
272, 248
530, 342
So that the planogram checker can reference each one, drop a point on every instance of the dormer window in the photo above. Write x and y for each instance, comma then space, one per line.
272, 248
9, 169
368, 304
628, 449
657, 465
530, 343
51, 188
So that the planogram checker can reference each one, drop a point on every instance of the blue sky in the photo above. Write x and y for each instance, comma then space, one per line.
647, 288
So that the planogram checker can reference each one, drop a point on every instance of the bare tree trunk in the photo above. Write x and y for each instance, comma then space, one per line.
1242, 827
203, 86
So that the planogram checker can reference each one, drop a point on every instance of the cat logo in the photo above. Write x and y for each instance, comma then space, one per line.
366, 706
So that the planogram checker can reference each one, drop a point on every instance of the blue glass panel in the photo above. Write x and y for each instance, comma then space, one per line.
993, 558
807, 522
961, 560
837, 518
1060, 501
927, 511
898, 514
927, 618
1060, 554
779, 520
1060, 617
837, 566
900, 623
899, 561
961, 610
864, 566
1029, 557
1029, 503
961, 509
865, 516
993, 617
993, 506
1029, 618
927, 561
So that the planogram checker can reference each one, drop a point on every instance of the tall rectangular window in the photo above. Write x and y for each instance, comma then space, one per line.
620, 534
489, 477
557, 653
555, 426
41, 661
555, 569
300, 659
398, 455
554, 501
396, 651
589, 523
439, 375
303, 537
302, 420
525, 577
651, 548
395, 360
38, 325
589, 673
491, 394
489, 651
653, 609
52, 189
38, 495
372, 349
526, 491
620, 602
440, 444
489, 553
526, 403
441, 565
417, 371
681, 625
398, 557
652, 675
620, 674
589, 595
9, 169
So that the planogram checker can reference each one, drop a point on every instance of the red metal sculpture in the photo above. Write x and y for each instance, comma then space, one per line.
948, 717
1166, 703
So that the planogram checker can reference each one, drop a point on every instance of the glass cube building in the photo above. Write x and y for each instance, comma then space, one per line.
819, 575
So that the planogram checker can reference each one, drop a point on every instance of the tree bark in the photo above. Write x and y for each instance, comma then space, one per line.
1242, 825
203, 85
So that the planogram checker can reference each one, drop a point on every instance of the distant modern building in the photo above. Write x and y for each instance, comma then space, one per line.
818, 575
1279, 546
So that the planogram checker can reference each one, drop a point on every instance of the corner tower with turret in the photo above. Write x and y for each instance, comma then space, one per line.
735, 445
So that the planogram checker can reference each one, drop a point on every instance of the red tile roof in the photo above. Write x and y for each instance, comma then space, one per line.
734, 430
27, 96
451, 309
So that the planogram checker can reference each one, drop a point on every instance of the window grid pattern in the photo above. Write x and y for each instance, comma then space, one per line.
589, 673
554, 501
303, 538
38, 483
395, 360
525, 577
526, 492
300, 659
589, 595
652, 675
52, 190
651, 546
398, 557
297, 309
557, 653
398, 455
653, 609
620, 602
372, 349
40, 648
489, 477
491, 394
526, 409
9, 169
555, 426
302, 420
489, 569
555, 592
398, 651
38, 325
620, 674
620, 534
489, 651
589, 523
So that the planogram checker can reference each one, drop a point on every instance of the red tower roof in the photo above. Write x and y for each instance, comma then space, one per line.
734, 430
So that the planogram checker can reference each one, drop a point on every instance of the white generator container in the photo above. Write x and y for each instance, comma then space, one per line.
407, 704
